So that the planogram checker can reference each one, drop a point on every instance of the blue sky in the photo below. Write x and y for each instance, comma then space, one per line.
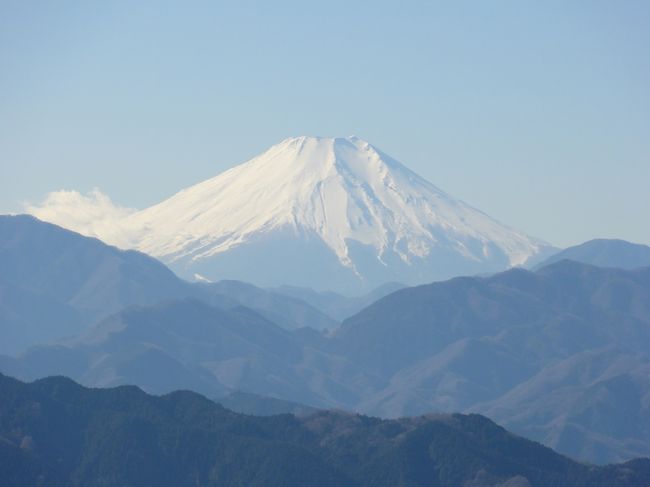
537, 113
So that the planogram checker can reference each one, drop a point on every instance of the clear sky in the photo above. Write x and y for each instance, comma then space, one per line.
537, 113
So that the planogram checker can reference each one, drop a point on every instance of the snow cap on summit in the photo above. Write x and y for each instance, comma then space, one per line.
339, 200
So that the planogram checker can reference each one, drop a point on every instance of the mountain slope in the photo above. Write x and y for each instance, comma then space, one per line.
55, 283
190, 344
94, 278
550, 354
28, 317
326, 213
58, 433
588, 405
606, 306
604, 253
337, 305
288, 311
557, 355
254, 404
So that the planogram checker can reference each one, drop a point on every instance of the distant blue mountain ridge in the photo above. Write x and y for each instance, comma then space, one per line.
559, 355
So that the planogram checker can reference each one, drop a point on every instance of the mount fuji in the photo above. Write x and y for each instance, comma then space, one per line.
326, 213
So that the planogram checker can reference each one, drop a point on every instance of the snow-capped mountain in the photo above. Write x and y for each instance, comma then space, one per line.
325, 213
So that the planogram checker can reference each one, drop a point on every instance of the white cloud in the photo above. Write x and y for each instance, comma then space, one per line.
92, 214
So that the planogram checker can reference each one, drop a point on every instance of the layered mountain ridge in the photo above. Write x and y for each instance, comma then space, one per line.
55, 283
558, 355
327, 213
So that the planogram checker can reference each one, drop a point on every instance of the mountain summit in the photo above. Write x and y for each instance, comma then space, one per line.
326, 213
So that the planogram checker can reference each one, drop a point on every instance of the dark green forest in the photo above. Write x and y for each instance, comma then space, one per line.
54, 432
